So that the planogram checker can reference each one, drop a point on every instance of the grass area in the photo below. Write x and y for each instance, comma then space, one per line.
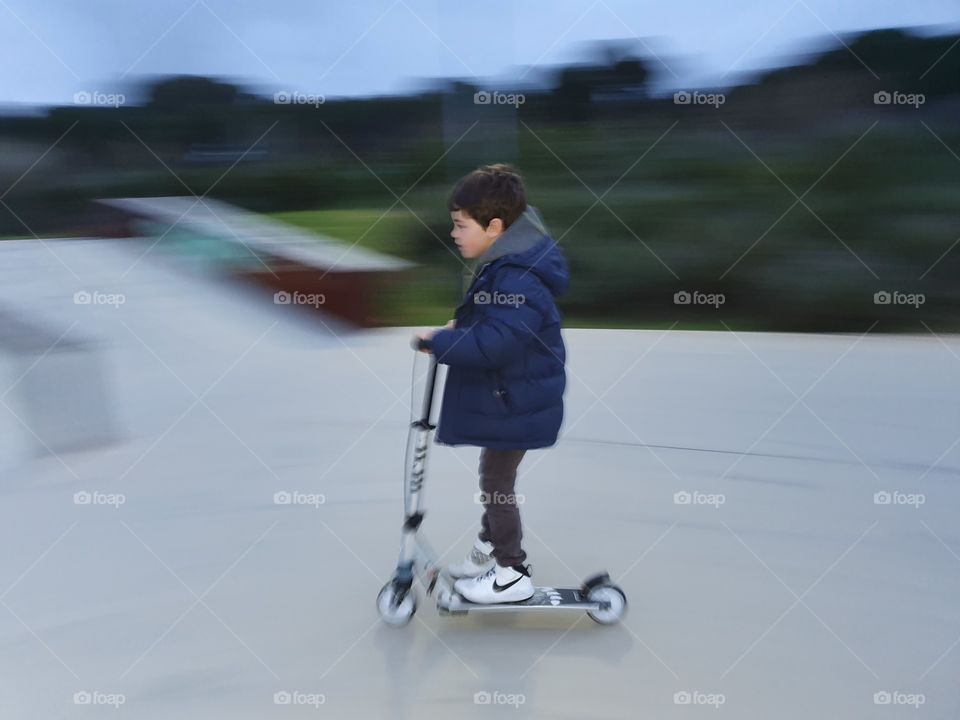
430, 299
367, 227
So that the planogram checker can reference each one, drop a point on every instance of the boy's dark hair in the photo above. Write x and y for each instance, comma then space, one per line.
490, 191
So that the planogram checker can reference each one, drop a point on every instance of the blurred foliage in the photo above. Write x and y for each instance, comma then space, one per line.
647, 197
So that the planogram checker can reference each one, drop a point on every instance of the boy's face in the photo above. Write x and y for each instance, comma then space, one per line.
471, 238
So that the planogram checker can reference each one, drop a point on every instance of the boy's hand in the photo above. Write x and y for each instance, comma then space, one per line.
428, 334
424, 335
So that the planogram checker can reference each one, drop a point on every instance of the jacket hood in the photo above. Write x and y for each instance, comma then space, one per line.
527, 244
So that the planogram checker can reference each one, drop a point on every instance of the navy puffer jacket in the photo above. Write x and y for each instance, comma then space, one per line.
506, 378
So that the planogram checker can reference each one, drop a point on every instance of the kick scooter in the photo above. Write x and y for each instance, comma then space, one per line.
603, 601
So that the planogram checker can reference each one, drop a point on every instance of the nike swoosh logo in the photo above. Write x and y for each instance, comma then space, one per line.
500, 588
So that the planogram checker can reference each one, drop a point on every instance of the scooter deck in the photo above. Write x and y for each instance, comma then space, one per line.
543, 598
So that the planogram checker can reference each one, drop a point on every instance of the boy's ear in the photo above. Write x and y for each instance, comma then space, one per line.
495, 228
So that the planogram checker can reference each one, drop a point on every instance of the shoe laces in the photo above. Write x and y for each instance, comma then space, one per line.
488, 573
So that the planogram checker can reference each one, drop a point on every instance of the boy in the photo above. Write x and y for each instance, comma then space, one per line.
505, 383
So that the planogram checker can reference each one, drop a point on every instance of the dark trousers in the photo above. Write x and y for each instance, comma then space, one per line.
500, 524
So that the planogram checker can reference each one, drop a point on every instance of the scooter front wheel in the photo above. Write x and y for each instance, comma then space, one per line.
396, 607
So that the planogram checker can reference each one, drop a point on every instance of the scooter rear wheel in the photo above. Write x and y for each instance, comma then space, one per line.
616, 600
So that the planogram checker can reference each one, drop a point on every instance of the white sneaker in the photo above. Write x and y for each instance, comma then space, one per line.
477, 561
498, 585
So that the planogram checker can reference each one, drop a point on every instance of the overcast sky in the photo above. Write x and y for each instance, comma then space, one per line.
51, 49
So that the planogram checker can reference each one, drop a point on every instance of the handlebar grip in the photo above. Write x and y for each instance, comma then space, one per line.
418, 344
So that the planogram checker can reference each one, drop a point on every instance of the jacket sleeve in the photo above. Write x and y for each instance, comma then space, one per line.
504, 329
